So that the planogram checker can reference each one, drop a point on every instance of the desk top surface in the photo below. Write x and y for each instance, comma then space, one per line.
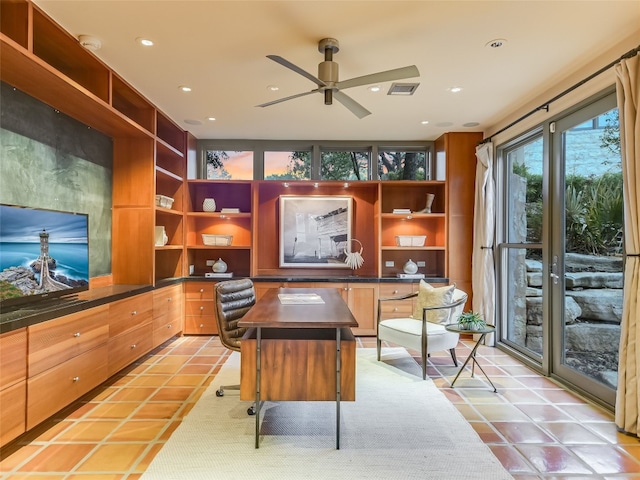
270, 312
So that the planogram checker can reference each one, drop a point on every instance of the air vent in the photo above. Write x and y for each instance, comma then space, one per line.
402, 88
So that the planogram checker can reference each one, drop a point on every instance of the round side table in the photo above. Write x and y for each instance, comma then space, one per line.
455, 327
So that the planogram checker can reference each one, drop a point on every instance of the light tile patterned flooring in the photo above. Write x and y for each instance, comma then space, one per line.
537, 429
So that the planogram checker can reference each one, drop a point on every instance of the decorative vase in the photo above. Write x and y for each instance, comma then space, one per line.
410, 267
209, 205
427, 208
219, 266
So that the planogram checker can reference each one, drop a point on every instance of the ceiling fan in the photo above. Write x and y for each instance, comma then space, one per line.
327, 79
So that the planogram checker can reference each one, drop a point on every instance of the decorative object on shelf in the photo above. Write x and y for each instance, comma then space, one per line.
209, 205
161, 238
354, 259
471, 321
410, 267
218, 275
411, 275
325, 221
410, 240
220, 266
217, 240
164, 201
427, 208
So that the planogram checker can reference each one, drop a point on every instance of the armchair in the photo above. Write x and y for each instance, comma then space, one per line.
424, 331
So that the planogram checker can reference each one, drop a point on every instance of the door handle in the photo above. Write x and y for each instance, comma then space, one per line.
554, 270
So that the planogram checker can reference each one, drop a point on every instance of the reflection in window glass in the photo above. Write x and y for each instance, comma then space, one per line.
402, 165
287, 165
229, 165
344, 165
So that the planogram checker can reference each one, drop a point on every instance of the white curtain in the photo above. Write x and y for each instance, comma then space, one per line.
482, 260
628, 393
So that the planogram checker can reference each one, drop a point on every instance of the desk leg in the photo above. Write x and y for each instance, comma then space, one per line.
338, 383
472, 357
258, 349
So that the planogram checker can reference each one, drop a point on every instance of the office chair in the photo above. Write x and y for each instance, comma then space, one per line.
233, 298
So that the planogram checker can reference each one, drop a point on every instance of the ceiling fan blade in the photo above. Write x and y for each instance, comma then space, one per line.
295, 68
287, 98
380, 77
357, 109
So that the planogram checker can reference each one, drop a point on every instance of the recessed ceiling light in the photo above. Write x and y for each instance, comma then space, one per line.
455, 89
497, 43
184, 88
144, 42
375, 88
424, 122
211, 119
273, 88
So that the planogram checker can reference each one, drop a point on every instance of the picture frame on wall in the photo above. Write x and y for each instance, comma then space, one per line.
314, 230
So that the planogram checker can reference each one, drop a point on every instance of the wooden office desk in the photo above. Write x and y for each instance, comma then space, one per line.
298, 352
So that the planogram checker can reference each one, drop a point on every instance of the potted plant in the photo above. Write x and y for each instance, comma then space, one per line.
471, 321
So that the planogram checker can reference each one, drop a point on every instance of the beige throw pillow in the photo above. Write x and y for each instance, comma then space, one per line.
430, 296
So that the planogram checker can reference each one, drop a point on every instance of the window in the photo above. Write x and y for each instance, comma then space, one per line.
287, 165
229, 165
403, 165
344, 165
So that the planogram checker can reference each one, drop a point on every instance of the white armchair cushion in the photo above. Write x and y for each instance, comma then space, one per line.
408, 333
430, 296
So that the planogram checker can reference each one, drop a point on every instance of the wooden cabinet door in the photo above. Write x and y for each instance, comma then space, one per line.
129, 313
129, 346
13, 357
362, 299
168, 309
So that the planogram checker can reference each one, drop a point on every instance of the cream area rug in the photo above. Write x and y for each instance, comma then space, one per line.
399, 427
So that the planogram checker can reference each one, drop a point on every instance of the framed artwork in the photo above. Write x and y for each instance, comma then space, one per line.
314, 230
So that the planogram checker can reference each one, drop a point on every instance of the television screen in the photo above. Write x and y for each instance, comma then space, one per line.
43, 254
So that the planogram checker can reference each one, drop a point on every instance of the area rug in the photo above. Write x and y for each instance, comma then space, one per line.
399, 427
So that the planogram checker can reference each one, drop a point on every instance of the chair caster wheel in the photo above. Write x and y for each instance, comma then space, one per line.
251, 410
219, 393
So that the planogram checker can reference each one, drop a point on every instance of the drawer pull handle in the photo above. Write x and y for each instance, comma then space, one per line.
133, 346
134, 313
76, 379
202, 325
395, 292
169, 299
202, 290
201, 308
169, 326
395, 309
77, 334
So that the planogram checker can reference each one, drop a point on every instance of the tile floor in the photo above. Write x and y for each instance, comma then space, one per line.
537, 429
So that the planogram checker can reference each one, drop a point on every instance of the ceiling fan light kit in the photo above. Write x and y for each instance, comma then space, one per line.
328, 83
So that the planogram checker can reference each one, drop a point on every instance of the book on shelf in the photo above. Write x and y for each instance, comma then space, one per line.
230, 210
219, 275
401, 210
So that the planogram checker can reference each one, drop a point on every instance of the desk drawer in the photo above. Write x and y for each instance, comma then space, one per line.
57, 387
129, 346
199, 290
129, 313
56, 341
13, 357
13, 413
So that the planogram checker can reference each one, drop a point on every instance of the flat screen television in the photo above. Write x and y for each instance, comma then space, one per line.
43, 254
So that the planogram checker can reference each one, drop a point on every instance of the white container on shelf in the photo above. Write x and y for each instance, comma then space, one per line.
410, 240
217, 240
164, 201
209, 205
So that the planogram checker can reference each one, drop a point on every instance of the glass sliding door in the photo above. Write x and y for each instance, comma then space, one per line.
586, 277
560, 264
520, 252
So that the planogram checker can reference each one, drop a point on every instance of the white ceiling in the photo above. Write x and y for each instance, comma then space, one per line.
219, 49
